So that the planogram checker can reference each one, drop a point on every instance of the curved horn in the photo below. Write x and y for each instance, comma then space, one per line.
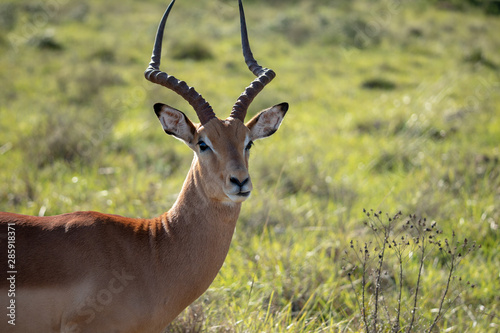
264, 75
153, 74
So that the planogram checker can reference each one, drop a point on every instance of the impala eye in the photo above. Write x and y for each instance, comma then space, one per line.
203, 145
249, 145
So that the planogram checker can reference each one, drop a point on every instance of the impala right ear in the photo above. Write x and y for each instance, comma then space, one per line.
175, 122
267, 122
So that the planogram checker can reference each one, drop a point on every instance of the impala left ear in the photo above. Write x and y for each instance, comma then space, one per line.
175, 122
267, 121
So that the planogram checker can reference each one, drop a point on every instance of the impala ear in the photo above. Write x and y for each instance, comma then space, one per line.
267, 122
175, 122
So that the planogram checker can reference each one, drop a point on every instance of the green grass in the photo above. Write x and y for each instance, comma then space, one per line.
393, 106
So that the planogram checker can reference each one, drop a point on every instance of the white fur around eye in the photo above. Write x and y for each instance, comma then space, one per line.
208, 143
247, 141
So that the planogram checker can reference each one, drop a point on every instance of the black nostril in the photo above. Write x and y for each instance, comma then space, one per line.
236, 181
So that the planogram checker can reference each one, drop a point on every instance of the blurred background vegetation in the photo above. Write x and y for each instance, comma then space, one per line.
394, 105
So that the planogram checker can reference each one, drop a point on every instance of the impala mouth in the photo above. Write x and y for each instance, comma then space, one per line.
239, 196
243, 194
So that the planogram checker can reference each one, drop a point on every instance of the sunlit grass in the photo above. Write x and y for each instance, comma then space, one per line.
391, 108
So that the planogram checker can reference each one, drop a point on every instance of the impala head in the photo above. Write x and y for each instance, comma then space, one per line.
221, 146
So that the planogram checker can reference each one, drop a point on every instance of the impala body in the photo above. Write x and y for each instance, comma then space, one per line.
93, 272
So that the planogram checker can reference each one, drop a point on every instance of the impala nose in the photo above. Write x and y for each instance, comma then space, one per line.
239, 183
242, 187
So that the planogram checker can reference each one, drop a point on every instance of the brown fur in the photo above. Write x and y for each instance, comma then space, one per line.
94, 272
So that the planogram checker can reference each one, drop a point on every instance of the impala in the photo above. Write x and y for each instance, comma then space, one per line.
94, 272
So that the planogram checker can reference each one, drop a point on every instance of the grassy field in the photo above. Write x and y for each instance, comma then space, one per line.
394, 106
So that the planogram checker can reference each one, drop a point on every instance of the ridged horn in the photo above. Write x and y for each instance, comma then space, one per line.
153, 74
264, 75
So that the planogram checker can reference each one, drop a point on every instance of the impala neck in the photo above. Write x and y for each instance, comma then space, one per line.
202, 225
199, 230
194, 205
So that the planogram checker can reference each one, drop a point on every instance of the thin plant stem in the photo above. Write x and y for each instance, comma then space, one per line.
363, 286
355, 293
379, 273
415, 302
396, 326
438, 316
